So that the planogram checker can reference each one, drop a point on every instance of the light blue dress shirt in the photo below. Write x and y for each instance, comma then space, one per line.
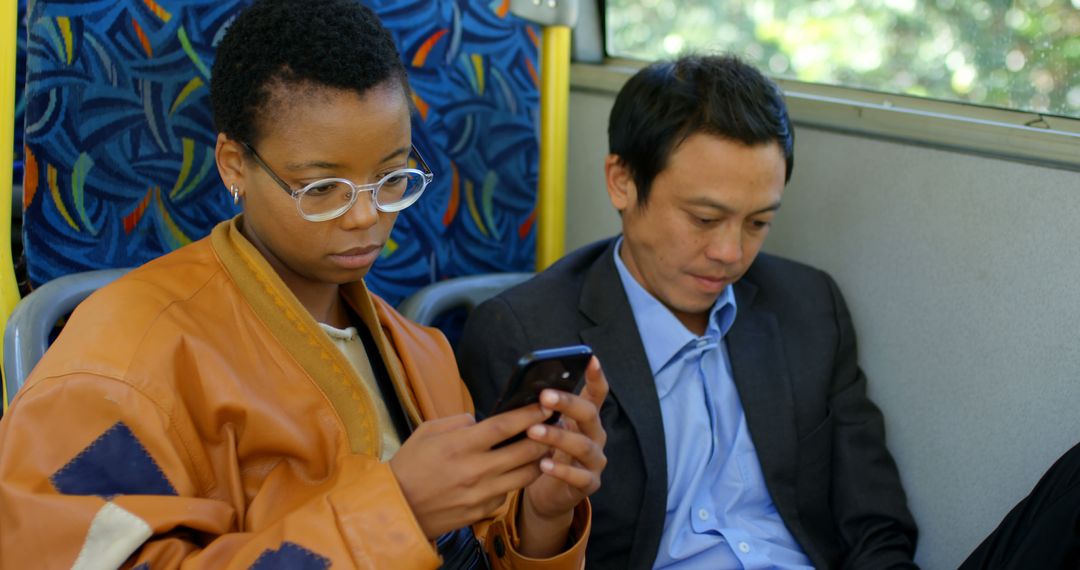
719, 512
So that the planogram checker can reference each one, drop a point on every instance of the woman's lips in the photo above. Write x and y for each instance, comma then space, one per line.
357, 257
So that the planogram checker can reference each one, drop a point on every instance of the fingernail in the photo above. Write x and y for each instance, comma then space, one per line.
549, 397
537, 431
546, 464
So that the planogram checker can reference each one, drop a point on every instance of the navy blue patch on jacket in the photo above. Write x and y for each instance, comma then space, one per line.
113, 464
290, 556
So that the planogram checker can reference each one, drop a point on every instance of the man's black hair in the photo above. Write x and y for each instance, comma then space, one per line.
297, 44
667, 102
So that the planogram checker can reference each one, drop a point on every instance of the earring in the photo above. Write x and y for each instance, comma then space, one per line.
235, 194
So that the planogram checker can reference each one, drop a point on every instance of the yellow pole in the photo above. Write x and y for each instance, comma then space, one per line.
9, 290
554, 105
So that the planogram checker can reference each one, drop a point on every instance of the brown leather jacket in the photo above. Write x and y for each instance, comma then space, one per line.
193, 412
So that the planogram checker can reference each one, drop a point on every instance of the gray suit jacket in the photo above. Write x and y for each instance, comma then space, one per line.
820, 440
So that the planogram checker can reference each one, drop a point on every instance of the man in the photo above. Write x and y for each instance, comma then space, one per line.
739, 430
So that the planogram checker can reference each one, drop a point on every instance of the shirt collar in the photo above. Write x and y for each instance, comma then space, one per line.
664, 335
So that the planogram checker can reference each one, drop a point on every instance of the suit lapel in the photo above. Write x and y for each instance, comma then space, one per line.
616, 341
756, 350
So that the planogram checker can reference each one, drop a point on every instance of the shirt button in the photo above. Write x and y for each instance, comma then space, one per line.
744, 547
703, 515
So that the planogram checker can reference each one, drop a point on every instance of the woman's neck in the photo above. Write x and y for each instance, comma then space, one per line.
324, 303
322, 300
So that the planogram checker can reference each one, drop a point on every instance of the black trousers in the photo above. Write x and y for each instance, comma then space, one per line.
1043, 530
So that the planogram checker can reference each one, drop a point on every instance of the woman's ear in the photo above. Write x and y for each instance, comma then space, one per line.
230, 157
620, 183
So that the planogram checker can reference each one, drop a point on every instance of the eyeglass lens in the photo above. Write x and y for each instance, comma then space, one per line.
333, 195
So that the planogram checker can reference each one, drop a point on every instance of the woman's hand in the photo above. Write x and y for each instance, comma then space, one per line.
572, 472
452, 478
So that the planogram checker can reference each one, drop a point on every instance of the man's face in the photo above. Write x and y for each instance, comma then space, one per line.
705, 220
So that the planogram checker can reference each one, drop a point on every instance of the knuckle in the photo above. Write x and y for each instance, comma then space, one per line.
504, 427
589, 453
451, 448
471, 478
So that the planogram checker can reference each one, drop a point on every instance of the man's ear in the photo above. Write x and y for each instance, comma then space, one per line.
620, 183
230, 157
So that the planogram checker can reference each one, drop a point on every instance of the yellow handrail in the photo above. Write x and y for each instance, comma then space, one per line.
554, 105
9, 289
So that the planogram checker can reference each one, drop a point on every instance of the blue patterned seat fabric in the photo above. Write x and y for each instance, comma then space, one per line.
119, 164
20, 81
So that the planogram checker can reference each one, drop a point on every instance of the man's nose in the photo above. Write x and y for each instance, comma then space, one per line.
726, 244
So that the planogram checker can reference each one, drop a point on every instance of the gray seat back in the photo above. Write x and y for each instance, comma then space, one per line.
26, 337
429, 303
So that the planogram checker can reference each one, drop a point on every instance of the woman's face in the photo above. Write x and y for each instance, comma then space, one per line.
310, 134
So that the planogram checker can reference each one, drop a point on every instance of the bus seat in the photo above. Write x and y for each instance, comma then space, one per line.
119, 136
474, 70
119, 162
28, 331
20, 81
446, 304
428, 304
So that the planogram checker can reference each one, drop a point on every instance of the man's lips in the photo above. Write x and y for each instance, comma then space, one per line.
712, 283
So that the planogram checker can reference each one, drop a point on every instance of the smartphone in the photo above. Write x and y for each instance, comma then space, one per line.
560, 368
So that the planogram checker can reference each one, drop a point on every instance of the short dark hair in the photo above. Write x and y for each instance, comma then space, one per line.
667, 102
299, 44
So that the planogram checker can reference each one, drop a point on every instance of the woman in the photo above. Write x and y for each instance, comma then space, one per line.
245, 402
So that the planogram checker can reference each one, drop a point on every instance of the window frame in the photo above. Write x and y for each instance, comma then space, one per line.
1033, 138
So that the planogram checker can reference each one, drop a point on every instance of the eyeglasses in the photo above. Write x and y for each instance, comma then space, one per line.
330, 198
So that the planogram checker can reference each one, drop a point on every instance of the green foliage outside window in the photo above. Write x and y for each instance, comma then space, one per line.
1021, 55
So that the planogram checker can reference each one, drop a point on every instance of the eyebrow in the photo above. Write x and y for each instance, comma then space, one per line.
723, 208
323, 165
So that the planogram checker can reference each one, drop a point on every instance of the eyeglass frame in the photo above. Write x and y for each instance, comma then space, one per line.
372, 187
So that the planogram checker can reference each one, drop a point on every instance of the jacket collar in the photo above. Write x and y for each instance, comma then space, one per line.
614, 336
298, 333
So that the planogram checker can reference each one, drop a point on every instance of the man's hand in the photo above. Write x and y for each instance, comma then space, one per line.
572, 472
452, 478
